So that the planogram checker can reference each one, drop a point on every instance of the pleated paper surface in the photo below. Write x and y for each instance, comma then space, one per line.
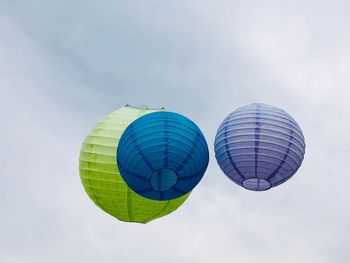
162, 155
259, 146
101, 178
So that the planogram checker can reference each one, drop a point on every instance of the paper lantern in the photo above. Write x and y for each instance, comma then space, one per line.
162, 155
259, 146
101, 178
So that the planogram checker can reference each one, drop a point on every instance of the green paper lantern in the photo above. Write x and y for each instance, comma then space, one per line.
100, 175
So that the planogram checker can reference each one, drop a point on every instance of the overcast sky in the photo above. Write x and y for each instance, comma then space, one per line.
66, 64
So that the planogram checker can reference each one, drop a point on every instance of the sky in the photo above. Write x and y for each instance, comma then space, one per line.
66, 64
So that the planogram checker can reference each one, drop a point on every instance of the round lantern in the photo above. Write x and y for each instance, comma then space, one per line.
100, 174
259, 146
162, 155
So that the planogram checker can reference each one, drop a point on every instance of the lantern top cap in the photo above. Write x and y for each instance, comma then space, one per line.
143, 107
261, 104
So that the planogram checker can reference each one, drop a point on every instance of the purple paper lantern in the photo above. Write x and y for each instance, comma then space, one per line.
259, 146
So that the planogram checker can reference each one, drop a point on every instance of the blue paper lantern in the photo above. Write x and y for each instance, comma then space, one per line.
259, 146
162, 155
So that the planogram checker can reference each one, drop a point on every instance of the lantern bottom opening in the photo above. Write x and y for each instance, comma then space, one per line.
163, 179
256, 184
